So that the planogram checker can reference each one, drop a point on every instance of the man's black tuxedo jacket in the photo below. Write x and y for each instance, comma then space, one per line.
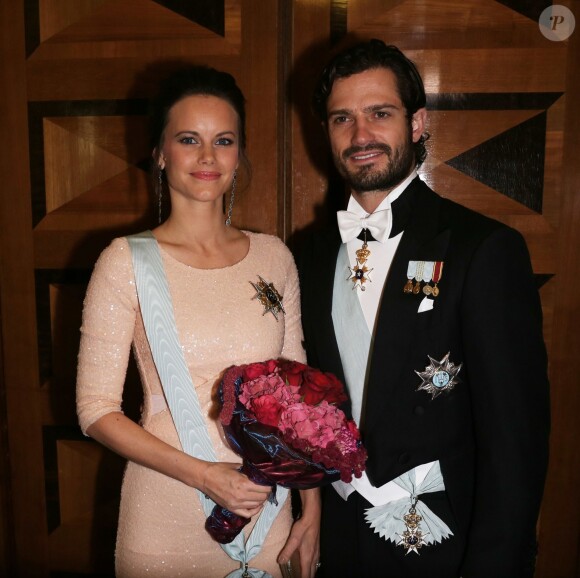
490, 433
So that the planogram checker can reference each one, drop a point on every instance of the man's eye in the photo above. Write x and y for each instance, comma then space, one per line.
382, 114
340, 119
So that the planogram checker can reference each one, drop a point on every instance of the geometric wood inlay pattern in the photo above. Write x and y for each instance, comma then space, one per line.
516, 153
208, 13
113, 149
516, 160
529, 8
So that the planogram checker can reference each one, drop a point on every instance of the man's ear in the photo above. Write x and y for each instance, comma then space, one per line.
418, 123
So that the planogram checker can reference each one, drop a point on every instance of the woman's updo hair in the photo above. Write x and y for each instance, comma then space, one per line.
195, 80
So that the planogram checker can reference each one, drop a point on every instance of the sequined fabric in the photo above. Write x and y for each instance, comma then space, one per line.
161, 523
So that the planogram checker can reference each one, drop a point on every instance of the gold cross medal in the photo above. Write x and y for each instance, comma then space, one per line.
412, 539
360, 273
269, 297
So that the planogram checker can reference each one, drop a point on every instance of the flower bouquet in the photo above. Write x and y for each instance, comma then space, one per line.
282, 418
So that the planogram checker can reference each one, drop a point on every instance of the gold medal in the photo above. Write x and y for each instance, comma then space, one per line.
412, 539
360, 273
437, 274
411, 269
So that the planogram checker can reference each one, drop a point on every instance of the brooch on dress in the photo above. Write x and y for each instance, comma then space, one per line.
269, 297
439, 376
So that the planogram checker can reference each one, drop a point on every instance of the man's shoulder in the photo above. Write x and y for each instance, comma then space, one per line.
458, 217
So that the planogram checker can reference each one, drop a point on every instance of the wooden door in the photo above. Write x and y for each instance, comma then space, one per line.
504, 122
76, 75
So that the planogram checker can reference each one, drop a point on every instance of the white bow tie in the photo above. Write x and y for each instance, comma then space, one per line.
379, 224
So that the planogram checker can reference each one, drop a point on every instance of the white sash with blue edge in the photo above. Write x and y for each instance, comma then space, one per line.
354, 345
158, 319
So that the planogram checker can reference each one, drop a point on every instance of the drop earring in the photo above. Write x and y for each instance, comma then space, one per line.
232, 195
159, 193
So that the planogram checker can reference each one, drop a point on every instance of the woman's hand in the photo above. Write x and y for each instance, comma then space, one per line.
226, 486
305, 535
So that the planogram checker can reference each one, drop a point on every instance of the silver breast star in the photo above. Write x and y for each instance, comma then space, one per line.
439, 376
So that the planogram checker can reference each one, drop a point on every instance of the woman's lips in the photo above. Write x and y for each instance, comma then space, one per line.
206, 176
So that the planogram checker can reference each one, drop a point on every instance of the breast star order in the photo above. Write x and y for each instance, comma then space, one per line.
269, 297
439, 376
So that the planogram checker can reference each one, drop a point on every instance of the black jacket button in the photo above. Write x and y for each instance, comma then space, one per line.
404, 458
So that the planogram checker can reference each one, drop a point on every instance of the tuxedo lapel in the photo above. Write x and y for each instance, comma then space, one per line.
398, 314
323, 270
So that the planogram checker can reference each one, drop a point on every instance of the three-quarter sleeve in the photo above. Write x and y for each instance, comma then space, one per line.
108, 323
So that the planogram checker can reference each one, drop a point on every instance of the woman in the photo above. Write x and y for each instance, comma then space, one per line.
199, 140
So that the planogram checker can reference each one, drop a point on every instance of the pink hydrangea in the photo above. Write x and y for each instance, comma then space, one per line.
317, 425
271, 385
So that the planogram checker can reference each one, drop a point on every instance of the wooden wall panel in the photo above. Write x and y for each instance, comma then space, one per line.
74, 176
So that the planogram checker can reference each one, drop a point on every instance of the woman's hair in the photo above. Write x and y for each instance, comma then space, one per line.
191, 81
370, 55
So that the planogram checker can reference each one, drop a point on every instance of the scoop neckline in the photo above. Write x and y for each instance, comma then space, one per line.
171, 258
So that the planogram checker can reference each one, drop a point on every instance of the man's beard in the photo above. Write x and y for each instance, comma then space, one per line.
367, 178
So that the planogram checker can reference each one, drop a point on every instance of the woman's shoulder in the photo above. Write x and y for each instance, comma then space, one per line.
115, 254
270, 244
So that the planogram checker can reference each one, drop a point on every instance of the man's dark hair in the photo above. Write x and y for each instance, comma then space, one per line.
370, 55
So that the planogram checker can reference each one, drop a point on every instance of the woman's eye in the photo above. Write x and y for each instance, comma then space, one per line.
224, 141
187, 140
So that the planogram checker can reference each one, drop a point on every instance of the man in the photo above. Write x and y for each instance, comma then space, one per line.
429, 313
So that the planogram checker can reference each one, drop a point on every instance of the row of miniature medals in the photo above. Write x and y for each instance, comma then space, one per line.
420, 274
427, 272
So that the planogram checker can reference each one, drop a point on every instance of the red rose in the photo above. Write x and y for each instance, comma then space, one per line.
291, 372
318, 386
354, 431
255, 370
266, 409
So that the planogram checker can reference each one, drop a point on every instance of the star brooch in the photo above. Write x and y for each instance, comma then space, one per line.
269, 297
439, 376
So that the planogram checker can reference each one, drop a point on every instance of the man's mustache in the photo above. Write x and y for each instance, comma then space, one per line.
353, 150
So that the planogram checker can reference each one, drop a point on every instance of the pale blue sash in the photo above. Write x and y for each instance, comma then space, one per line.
354, 344
352, 333
159, 322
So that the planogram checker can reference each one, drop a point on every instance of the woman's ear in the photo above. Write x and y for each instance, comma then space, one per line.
158, 158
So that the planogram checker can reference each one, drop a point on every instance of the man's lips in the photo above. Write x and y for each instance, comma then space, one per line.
366, 154
361, 157
206, 175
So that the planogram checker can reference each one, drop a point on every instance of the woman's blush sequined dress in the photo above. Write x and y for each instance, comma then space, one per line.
161, 523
